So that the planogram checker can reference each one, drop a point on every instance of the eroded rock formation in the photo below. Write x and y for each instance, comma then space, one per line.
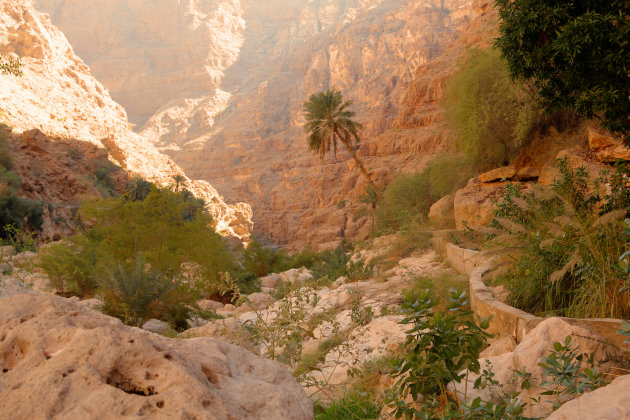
239, 128
60, 359
59, 96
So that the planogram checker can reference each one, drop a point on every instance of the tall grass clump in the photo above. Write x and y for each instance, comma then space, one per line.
562, 245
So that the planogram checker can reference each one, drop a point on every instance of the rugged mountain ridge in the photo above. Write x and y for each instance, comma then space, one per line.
243, 133
58, 95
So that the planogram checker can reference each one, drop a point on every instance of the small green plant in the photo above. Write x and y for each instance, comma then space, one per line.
352, 406
441, 347
361, 315
279, 331
571, 373
21, 240
11, 65
104, 182
625, 331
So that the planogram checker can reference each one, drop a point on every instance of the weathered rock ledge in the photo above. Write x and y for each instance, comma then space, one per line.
59, 359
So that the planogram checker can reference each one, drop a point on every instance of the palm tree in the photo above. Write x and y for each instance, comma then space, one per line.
329, 121
370, 200
179, 180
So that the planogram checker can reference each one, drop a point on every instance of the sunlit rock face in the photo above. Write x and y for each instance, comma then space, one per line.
58, 95
236, 119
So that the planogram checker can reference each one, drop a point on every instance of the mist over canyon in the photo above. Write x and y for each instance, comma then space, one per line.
218, 85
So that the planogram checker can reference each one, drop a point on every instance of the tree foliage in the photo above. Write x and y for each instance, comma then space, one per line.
576, 54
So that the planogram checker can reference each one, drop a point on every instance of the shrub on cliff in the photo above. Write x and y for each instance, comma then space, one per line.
15, 212
575, 54
493, 116
410, 196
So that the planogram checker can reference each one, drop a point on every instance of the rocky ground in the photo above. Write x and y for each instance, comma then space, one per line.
323, 333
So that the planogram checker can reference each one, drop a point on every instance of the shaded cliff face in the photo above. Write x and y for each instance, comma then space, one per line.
243, 133
58, 95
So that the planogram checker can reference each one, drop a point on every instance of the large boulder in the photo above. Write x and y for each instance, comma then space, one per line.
59, 359
442, 212
474, 205
527, 355
607, 148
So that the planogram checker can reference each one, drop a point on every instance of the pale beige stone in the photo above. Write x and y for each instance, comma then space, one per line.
608, 403
60, 359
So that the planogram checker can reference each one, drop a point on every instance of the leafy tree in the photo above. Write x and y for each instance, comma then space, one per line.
576, 54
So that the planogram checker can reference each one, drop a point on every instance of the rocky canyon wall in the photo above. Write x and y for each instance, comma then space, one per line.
255, 62
58, 95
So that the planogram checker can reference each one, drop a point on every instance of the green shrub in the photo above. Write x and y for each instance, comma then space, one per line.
561, 253
441, 347
352, 406
409, 197
261, 260
16, 214
135, 295
161, 228
74, 266
493, 117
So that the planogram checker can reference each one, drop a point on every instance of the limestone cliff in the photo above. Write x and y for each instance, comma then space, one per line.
58, 95
242, 131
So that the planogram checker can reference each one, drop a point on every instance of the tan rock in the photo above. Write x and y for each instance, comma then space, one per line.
210, 305
442, 212
271, 280
499, 174
499, 346
260, 300
475, 204
605, 147
60, 359
607, 403
527, 173
576, 158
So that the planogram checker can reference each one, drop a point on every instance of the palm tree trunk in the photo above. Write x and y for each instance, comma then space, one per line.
369, 179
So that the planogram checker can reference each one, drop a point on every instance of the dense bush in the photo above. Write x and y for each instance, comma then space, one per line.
575, 54
16, 213
135, 294
410, 196
563, 244
493, 117
167, 231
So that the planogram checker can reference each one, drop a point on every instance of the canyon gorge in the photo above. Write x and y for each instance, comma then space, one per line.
218, 86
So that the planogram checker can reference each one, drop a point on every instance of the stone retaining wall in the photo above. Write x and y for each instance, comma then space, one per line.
507, 320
